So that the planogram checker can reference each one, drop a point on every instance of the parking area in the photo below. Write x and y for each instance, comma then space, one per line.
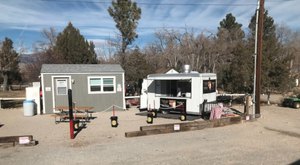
272, 139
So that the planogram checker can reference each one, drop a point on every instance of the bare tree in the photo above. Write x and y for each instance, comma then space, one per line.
43, 54
290, 42
176, 49
168, 44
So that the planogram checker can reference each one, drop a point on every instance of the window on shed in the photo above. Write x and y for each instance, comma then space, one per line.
108, 84
61, 87
95, 84
101, 84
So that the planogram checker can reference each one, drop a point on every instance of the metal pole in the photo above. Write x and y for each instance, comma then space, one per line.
113, 110
259, 58
71, 113
255, 56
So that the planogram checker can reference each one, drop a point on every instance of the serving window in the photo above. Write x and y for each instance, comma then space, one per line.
173, 88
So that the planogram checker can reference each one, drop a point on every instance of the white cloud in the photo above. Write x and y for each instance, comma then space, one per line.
105, 32
95, 23
285, 12
99, 43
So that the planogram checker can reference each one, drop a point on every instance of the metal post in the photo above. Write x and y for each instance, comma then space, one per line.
113, 110
71, 113
259, 58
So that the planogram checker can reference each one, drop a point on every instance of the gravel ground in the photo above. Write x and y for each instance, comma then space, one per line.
272, 139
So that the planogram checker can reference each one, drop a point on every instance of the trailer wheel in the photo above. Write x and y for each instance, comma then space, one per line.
297, 105
182, 117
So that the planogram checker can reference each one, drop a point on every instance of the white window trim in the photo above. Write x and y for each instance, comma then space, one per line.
101, 92
53, 90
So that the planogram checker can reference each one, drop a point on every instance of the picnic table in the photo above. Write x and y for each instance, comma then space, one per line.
79, 113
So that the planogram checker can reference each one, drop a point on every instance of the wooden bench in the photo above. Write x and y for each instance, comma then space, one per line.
81, 116
62, 117
59, 117
79, 112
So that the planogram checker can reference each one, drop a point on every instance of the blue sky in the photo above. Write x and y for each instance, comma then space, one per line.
23, 20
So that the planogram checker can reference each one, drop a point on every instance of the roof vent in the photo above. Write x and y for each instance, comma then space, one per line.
186, 68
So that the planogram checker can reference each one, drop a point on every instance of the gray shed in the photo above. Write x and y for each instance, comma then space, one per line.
98, 85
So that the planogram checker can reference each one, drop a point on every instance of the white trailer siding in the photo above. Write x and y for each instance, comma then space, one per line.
193, 104
162, 87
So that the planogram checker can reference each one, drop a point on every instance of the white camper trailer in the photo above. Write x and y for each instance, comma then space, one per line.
184, 92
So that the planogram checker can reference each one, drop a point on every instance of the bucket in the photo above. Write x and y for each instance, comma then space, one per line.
114, 121
28, 106
149, 118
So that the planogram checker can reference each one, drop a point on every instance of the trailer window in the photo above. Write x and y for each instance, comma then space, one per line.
209, 86
184, 88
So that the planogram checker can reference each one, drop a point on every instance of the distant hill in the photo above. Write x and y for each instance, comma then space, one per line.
26, 58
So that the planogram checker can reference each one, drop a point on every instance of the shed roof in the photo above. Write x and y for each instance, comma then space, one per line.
80, 68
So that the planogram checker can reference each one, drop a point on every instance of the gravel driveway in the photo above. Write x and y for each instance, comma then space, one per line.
272, 139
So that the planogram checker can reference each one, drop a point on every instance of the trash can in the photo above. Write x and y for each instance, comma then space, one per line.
28, 106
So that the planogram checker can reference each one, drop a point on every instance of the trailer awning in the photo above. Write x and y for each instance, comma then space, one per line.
180, 76
175, 76
169, 78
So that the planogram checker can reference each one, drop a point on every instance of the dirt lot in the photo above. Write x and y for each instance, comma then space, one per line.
272, 139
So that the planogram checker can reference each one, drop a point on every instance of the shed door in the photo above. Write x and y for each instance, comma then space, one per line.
61, 86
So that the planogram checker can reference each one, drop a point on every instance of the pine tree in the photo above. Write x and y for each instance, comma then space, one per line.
72, 48
9, 61
235, 73
230, 29
138, 68
275, 65
126, 15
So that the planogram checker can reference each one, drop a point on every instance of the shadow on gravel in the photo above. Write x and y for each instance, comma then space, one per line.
171, 116
296, 162
293, 134
79, 129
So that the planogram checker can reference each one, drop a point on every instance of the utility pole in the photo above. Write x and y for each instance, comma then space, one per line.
255, 57
259, 57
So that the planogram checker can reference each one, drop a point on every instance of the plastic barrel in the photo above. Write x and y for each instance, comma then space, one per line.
28, 106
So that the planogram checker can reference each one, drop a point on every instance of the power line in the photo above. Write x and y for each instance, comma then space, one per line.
156, 4
167, 4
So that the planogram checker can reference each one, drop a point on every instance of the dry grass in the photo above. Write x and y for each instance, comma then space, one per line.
12, 94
